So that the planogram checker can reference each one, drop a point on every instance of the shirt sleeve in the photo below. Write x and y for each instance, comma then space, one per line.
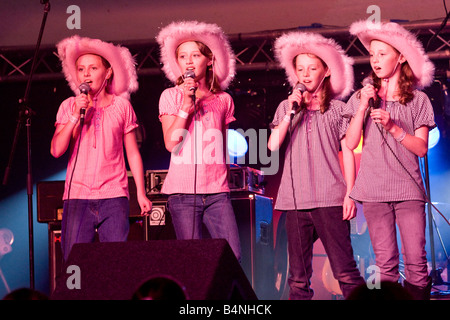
350, 108
344, 118
170, 102
229, 116
130, 117
423, 114
65, 111
279, 113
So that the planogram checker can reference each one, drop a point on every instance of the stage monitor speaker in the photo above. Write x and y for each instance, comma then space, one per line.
254, 217
207, 269
138, 232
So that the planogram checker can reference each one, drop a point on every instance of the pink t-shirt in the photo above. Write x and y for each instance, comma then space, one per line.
211, 171
100, 170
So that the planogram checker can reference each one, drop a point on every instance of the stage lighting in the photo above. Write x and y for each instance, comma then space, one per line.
6, 240
237, 145
433, 137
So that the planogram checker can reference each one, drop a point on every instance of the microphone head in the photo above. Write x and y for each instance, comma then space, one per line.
84, 88
301, 87
367, 80
189, 74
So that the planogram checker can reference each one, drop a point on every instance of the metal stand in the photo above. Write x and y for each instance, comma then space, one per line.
25, 114
435, 274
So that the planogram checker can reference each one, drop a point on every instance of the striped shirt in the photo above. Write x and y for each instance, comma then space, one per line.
381, 178
316, 173
100, 171
213, 116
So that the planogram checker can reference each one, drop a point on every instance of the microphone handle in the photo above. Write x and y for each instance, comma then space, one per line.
294, 109
371, 103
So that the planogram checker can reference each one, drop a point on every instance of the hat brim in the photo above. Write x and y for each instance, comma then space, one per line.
290, 45
122, 63
402, 40
171, 36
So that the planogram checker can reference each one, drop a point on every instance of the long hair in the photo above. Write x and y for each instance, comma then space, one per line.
326, 95
211, 80
406, 82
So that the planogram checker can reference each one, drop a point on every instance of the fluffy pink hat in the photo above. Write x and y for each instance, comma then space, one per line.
171, 36
122, 63
402, 40
290, 45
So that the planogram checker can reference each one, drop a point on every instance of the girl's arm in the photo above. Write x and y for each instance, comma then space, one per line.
417, 143
278, 134
64, 133
348, 158
175, 127
353, 135
137, 169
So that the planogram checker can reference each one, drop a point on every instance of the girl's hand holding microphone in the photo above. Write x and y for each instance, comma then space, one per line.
81, 102
367, 92
189, 88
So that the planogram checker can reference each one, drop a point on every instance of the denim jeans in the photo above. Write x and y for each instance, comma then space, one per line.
82, 218
303, 228
410, 218
215, 211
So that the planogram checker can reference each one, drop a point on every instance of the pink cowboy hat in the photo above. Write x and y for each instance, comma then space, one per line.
290, 45
402, 40
124, 81
171, 36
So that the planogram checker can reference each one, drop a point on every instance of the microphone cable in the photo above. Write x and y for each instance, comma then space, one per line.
293, 194
191, 74
195, 163
74, 166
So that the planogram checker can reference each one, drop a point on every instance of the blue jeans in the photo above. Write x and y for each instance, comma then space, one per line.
82, 218
215, 211
303, 228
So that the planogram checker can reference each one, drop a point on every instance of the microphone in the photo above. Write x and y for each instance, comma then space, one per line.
84, 89
366, 81
295, 106
190, 74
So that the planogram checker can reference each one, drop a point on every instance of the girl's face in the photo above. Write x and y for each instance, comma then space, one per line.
384, 58
310, 71
90, 69
190, 57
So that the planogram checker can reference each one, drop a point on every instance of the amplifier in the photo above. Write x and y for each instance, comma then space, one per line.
239, 179
50, 200
246, 179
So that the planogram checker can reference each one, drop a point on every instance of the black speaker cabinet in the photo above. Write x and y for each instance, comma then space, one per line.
207, 269
254, 219
159, 224
50, 203
56, 259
